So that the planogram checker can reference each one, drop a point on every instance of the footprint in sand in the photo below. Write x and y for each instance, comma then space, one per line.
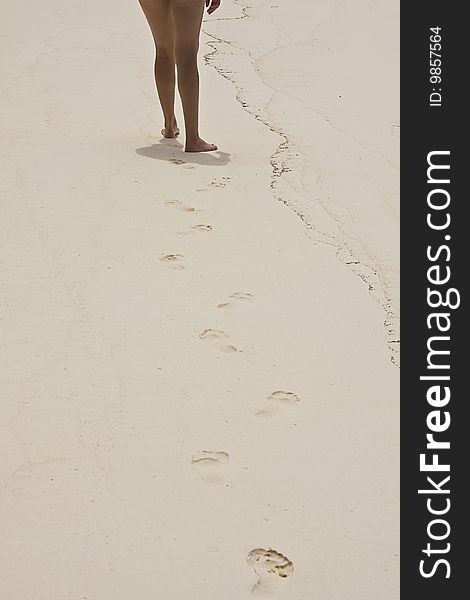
179, 206
215, 183
220, 183
218, 337
210, 465
238, 297
272, 569
277, 402
176, 161
202, 227
174, 261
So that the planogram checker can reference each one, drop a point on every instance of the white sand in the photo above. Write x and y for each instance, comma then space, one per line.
147, 448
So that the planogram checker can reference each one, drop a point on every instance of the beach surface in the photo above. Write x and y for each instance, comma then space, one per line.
200, 352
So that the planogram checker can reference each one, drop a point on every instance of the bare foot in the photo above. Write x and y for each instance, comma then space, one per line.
171, 131
199, 145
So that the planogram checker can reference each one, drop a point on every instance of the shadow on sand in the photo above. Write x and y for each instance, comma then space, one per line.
172, 151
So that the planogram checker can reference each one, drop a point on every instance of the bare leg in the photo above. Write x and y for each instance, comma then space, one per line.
159, 17
187, 19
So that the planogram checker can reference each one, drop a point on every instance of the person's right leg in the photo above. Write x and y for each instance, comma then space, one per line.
187, 19
159, 17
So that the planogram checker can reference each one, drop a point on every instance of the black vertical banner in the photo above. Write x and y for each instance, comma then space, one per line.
434, 267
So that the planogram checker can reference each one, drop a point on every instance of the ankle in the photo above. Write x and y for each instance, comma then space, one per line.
170, 123
192, 137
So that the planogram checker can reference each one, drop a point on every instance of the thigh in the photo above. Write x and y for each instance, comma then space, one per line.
187, 19
160, 20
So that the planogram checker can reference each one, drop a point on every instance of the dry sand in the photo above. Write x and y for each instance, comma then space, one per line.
200, 395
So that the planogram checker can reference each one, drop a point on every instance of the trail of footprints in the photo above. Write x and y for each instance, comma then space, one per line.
270, 566
175, 260
218, 337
